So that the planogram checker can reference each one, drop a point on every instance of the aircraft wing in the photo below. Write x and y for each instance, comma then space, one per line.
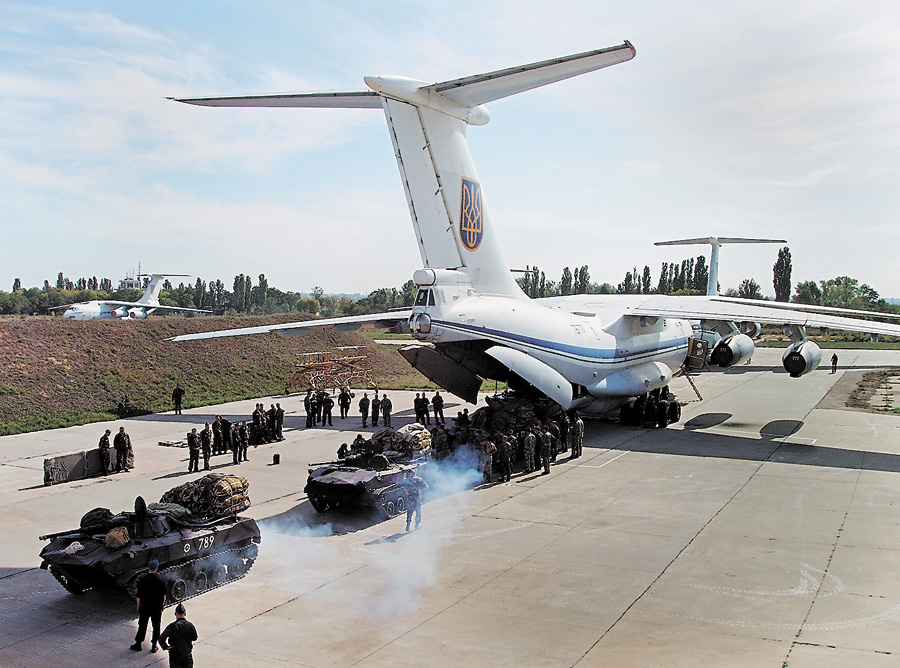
737, 310
344, 323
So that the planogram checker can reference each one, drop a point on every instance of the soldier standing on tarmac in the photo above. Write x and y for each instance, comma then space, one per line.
179, 638
415, 487
577, 436
122, 444
546, 440
151, 597
437, 403
193, 440
505, 459
308, 407
206, 445
217, 435
530, 445
327, 406
104, 452
376, 409
386, 407
279, 422
226, 436
244, 439
344, 400
364, 408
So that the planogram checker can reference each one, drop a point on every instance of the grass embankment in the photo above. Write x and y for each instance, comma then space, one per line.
861, 397
59, 373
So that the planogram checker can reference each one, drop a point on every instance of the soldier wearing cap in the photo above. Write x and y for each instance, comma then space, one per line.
151, 597
104, 451
179, 638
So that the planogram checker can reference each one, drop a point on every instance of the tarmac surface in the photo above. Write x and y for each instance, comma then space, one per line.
760, 531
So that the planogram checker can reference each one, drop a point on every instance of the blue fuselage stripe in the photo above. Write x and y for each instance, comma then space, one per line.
565, 350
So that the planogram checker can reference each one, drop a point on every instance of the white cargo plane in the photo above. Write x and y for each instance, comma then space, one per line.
588, 353
115, 310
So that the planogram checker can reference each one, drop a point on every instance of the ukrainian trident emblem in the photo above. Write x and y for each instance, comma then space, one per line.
471, 215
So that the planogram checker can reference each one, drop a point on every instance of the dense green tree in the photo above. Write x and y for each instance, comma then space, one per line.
781, 275
408, 292
645, 280
749, 289
566, 282
701, 274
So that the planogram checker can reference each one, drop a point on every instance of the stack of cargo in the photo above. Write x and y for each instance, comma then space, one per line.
213, 495
412, 438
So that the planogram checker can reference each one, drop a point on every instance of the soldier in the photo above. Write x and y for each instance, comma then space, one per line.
386, 407
376, 409
505, 459
316, 407
554, 443
151, 596
122, 444
217, 435
319, 405
530, 445
546, 440
577, 436
344, 399
226, 435
437, 403
177, 395
440, 442
364, 408
425, 414
417, 407
270, 423
179, 638
256, 417
104, 452
415, 487
279, 422
564, 436
206, 445
487, 459
244, 439
307, 406
193, 440
327, 406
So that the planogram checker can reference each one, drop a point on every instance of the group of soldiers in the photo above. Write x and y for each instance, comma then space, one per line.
124, 452
536, 445
420, 405
224, 436
379, 406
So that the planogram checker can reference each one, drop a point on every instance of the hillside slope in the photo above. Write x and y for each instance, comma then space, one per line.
56, 372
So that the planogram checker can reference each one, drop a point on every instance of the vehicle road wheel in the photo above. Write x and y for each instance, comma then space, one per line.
177, 590
401, 504
320, 503
237, 568
201, 582
219, 574
390, 509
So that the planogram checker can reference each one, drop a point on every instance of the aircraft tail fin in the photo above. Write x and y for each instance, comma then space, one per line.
427, 124
153, 288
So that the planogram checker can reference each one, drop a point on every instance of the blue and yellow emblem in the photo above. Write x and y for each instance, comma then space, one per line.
471, 215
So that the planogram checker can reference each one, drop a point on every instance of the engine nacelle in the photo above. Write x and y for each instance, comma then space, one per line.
732, 350
137, 313
801, 358
751, 329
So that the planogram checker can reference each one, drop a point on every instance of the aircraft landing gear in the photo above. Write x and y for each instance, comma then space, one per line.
658, 408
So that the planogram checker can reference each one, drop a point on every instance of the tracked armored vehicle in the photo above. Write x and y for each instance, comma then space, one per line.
363, 480
195, 554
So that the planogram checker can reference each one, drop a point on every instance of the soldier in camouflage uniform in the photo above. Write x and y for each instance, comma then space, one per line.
505, 452
546, 440
487, 459
104, 451
530, 446
577, 436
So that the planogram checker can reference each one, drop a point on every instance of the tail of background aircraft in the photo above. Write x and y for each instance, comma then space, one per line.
154, 286
427, 123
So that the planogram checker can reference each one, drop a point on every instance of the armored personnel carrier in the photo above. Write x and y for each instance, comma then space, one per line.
195, 554
363, 480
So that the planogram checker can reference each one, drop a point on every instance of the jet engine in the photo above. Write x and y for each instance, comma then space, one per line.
732, 350
801, 358
751, 329
137, 313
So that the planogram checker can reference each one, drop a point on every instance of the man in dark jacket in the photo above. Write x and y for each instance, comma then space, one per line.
151, 597
104, 451
122, 444
364, 408
179, 638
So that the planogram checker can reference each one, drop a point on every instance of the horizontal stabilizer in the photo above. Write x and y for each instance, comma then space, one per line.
480, 88
719, 241
350, 100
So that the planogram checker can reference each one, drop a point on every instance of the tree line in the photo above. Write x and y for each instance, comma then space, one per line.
686, 277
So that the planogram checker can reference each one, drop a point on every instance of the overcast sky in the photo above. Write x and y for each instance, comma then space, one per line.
764, 119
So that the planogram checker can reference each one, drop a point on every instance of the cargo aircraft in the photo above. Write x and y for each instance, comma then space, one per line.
115, 310
594, 354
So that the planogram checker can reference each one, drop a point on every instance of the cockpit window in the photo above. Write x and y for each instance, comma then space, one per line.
422, 298
430, 298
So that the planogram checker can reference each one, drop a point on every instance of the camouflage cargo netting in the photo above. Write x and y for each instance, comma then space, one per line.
213, 495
